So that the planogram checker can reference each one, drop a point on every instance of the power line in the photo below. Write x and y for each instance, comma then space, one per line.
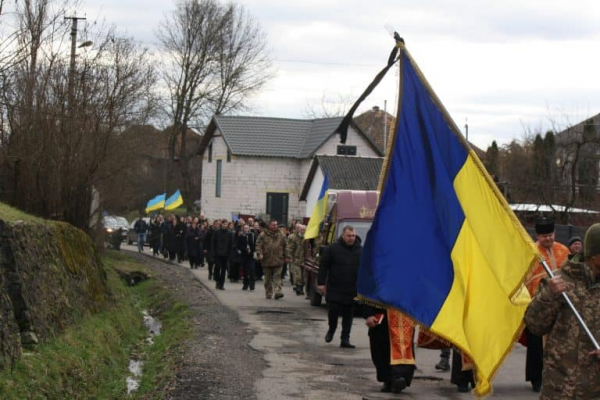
326, 63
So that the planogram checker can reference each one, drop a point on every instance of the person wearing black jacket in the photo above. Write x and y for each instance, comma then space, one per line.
338, 272
155, 234
194, 244
246, 245
235, 260
179, 231
140, 228
221, 246
210, 258
167, 234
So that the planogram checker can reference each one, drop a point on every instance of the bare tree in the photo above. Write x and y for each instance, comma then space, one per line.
330, 108
56, 150
217, 60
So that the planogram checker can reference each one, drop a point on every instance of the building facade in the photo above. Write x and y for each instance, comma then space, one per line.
258, 165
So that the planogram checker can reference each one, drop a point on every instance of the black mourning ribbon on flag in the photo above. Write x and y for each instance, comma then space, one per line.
342, 129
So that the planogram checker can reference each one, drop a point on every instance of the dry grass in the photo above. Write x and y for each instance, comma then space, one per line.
11, 215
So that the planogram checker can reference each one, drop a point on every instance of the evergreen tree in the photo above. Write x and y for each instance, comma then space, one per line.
538, 159
550, 154
492, 156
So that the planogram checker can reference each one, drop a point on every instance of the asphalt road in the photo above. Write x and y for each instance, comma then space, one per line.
290, 335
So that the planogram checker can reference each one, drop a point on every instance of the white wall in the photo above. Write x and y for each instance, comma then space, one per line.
245, 182
363, 149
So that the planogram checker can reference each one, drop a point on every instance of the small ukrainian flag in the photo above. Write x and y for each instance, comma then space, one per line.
156, 203
174, 201
318, 214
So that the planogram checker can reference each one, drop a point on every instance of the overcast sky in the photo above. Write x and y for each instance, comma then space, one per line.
503, 65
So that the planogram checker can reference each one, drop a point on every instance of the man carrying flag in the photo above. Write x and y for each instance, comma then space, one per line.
555, 254
572, 366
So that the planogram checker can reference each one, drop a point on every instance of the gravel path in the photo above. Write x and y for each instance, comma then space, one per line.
217, 362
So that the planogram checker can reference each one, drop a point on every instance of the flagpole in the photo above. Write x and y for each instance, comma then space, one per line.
572, 307
391, 136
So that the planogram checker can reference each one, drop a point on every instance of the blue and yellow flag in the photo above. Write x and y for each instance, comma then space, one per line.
156, 203
319, 211
174, 201
444, 247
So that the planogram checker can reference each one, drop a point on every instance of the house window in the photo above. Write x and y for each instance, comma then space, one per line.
346, 150
218, 180
210, 152
228, 155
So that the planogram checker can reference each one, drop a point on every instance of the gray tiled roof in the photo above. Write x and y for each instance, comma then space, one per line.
350, 172
346, 172
275, 137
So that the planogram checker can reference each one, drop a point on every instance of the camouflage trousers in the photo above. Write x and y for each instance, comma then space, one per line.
272, 278
297, 274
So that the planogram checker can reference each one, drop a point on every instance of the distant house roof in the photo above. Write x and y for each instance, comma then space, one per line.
276, 137
575, 133
346, 172
372, 123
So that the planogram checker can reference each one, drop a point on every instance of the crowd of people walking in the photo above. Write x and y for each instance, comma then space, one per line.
235, 250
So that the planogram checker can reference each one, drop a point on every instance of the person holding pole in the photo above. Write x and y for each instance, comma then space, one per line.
565, 308
554, 254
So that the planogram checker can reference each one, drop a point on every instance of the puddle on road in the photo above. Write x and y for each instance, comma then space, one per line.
136, 366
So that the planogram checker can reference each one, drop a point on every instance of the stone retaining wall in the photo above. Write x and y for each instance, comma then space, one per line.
50, 276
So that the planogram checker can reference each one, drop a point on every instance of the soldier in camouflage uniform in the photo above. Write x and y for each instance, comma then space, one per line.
271, 250
296, 253
571, 365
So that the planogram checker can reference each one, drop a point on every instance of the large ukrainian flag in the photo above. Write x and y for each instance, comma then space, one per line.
444, 247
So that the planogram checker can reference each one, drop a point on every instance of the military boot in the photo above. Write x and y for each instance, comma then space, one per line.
443, 365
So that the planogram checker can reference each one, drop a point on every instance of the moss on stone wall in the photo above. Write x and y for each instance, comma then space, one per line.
51, 277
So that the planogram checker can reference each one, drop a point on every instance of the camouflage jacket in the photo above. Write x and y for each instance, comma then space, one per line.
296, 249
569, 372
272, 247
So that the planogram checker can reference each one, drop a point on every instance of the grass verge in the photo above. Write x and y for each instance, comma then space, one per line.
90, 359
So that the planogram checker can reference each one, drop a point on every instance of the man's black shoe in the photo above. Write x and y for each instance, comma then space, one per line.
398, 385
463, 388
346, 345
329, 336
536, 386
387, 388
245, 288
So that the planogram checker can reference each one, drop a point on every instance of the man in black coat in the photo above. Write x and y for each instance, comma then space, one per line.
210, 257
338, 271
222, 245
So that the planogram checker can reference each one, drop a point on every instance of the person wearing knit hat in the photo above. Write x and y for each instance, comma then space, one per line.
575, 246
571, 368
555, 254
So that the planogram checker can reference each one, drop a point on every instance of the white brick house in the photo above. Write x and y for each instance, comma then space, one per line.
258, 165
